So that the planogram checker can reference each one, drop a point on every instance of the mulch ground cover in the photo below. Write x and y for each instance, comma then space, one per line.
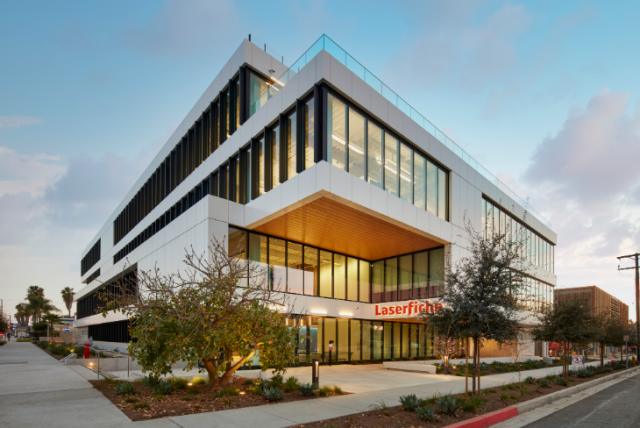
144, 405
492, 399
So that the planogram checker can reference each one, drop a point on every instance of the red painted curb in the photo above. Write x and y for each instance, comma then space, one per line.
488, 419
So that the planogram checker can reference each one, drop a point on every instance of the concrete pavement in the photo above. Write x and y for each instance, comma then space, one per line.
38, 391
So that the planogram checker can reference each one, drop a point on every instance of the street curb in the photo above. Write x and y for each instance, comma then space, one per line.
502, 415
487, 419
527, 406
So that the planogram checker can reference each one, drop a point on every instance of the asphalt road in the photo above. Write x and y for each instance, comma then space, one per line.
616, 406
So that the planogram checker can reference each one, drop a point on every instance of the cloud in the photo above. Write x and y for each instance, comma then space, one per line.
181, 28
7, 122
586, 179
28, 173
592, 160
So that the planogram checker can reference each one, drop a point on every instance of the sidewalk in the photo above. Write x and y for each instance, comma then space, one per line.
38, 391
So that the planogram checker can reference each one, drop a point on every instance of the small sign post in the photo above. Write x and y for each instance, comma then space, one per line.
67, 329
626, 349
330, 350
577, 359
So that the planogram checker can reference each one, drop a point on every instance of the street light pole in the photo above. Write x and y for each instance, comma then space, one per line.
637, 268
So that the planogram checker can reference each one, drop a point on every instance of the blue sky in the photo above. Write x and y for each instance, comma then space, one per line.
544, 94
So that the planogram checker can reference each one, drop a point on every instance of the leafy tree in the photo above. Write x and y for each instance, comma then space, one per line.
567, 322
67, 297
481, 292
607, 331
4, 323
221, 307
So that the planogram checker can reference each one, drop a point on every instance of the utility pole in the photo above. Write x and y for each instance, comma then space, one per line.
637, 268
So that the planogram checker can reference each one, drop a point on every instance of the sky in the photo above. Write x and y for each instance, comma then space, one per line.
543, 94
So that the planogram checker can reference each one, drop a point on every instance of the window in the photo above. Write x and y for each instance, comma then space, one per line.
357, 156
377, 282
277, 264
291, 139
257, 87
391, 280
364, 281
391, 164
326, 262
406, 173
275, 156
309, 133
374, 154
261, 152
419, 181
295, 272
336, 131
421, 275
432, 199
310, 271
339, 276
405, 271
352, 279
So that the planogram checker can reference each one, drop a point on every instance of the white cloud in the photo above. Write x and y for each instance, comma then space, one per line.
586, 176
7, 122
28, 173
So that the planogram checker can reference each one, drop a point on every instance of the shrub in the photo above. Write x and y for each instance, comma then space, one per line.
550, 377
273, 394
562, 382
291, 384
544, 383
126, 388
151, 381
179, 382
131, 399
426, 413
247, 382
410, 402
140, 405
198, 380
471, 405
163, 388
193, 391
228, 391
448, 404
2, 342
529, 380
506, 396
507, 387
324, 391
489, 391
276, 381
381, 407
337, 390
257, 390
523, 390
307, 390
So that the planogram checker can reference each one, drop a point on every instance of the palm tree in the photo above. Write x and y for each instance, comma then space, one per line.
51, 319
39, 305
34, 290
67, 296
22, 313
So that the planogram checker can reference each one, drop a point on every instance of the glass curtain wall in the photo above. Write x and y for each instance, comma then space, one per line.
359, 146
539, 252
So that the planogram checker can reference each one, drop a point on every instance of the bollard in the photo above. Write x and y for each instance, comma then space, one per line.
315, 372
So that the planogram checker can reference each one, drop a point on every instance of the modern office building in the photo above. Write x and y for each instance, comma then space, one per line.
345, 193
597, 299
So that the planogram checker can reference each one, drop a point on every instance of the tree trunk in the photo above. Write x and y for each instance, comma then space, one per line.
212, 370
479, 371
601, 355
231, 369
466, 369
473, 372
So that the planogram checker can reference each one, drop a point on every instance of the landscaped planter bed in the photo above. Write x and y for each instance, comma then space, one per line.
185, 402
492, 401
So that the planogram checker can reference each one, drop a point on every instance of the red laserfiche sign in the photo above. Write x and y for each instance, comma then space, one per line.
409, 309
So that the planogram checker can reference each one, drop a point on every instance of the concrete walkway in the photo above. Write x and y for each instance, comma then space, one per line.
38, 391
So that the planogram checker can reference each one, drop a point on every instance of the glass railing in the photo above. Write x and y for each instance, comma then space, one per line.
325, 43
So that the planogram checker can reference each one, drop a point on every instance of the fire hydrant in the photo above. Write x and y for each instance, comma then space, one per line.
87, 352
